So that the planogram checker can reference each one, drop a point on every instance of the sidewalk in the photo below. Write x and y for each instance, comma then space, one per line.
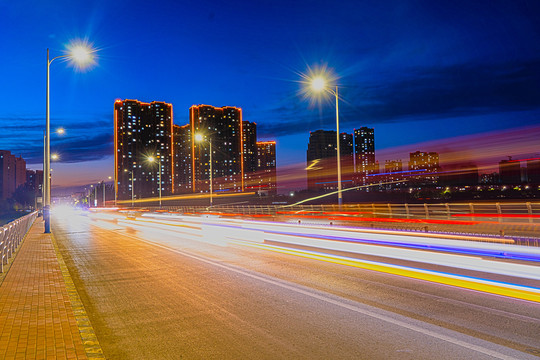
37, 320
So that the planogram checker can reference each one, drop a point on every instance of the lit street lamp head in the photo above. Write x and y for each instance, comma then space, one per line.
81, 54
198, 137
60, 131
318, 83
55, 156
150, 159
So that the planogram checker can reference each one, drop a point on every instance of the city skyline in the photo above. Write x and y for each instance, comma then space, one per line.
432, 71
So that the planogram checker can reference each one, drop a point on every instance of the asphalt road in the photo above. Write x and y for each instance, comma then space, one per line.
178, 293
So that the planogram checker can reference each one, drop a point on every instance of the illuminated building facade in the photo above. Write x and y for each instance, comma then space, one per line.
250, 148
223, 127
425, 165
266, 167
364, 149
182, 159
393, 172
142, 130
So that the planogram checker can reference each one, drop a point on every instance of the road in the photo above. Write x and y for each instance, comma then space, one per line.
157, 289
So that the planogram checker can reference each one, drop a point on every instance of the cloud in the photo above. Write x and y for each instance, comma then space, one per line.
87, 137
422, 94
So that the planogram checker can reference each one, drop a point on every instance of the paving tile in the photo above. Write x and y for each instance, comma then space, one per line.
36, 316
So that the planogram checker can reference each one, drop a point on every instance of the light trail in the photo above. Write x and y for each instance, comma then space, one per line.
449, 253
490, 286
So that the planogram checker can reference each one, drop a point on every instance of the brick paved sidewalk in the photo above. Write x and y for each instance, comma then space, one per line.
36, 317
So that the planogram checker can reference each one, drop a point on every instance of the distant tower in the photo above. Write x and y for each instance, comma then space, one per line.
364, 149
266, 166
142, 130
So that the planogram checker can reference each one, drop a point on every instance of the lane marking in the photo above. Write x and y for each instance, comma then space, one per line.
492, 287
297, 289
90, 342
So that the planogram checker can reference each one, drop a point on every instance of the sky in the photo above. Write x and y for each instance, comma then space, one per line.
426, 75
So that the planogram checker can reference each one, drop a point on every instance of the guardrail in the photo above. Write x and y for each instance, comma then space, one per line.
11, 236
501, 219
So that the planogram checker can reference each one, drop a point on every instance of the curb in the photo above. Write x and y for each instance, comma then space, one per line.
91, 344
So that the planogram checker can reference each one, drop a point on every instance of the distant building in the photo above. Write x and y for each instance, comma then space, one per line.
12, 173
510, 172
424, 167
266, 168
142, 130
533, 171
460, 175
489, 179
322, 162
34, 181
364, 150
393, 173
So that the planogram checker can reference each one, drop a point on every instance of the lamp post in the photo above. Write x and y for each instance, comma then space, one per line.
152, 160
81, 55
319, 84
200, 138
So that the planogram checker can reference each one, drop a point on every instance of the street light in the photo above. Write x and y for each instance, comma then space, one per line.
80, 54
200, 138
319, 83
151, 159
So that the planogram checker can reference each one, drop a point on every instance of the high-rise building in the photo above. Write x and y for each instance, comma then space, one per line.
223, 128
7, 174
20, 172
322, 163
12, 173
182, 159
510, 171
364, 149
250, 150
143, 130
425, 167
266, 165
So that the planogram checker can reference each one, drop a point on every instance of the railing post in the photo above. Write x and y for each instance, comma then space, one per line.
529, 210
447, 211
389, 210
427, 210
407, 210
471, 210
498, 206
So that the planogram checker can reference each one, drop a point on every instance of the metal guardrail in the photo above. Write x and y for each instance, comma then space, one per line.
11, 236
518, 220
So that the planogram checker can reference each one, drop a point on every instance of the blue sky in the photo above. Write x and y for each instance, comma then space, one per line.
413, 70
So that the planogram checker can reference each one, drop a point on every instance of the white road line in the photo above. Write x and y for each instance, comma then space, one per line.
356, 309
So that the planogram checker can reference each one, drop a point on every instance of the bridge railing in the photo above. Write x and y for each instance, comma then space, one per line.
12, 235
519, 220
